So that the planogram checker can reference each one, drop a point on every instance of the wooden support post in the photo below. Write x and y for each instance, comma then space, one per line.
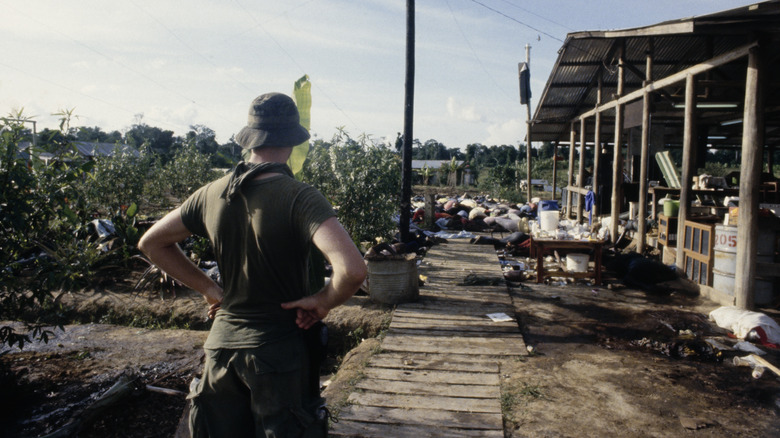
597, 149
430, 210
581, 172
644, 158
641, 221
617, 174
572, 145
689, 162
750, 173
555, 170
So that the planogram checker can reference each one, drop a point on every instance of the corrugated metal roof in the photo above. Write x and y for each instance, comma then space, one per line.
572, 87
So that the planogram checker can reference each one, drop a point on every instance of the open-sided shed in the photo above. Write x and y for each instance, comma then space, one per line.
694, 83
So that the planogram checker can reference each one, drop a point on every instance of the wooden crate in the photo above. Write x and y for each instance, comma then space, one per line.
698, 254
667, 230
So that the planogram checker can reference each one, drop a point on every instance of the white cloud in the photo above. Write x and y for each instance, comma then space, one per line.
464, 113
508, 132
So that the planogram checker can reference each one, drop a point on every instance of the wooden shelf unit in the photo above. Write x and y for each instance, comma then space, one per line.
667, 230
698, 253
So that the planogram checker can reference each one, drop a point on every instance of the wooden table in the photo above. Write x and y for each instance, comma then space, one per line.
541, 247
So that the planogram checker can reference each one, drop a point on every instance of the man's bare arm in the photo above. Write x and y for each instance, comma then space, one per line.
349, 271
160, 244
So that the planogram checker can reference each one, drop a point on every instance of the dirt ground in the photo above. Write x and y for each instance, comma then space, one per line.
46, 385
625, 363
605, 362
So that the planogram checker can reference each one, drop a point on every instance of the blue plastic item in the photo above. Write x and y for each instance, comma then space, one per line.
548, 205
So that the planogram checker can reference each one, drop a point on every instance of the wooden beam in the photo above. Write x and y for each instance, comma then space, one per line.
750, 171
689, 163
575, 189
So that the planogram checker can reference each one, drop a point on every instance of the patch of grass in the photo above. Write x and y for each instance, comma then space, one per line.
513, 394
355, 336
147, 321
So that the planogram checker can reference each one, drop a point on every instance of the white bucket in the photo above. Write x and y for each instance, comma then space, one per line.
548, 220
577, 262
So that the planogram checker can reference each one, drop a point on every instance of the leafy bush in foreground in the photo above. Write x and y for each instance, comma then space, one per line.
361, 180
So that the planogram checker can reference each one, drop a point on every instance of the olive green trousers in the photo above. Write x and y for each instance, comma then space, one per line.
256, 392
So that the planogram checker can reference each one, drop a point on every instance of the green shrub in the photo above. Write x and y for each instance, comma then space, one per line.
361, 180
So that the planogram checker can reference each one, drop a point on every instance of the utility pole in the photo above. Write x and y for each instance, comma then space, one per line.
406, 166
524, 71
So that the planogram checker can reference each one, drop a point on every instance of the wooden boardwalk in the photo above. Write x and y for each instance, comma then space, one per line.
437, 374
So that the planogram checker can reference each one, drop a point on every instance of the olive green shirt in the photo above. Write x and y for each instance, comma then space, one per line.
261, 239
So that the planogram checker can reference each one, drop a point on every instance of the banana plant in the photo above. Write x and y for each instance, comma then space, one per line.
302, 97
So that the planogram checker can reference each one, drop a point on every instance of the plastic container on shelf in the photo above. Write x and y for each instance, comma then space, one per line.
671, 208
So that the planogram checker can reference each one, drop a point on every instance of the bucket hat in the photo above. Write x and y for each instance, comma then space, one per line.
273, 121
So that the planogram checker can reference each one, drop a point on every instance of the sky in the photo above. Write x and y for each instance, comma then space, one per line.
174, 64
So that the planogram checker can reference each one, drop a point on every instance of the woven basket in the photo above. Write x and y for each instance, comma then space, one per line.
393, 280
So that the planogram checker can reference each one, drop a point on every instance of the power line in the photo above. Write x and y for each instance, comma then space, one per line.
473, 52
573, 47
517, 21
538, 16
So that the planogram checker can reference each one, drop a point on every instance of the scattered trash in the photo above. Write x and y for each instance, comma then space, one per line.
750, 361
749, 348
514, 275
682, 349
755, 362
499, 317
717, 344
478, 280
686, 334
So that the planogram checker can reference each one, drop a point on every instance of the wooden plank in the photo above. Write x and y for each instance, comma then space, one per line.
431, 376
379, 430
422, 417
451, 333
430, 388
410, 317
457, 404
465, 299
433, 313
441, 362
474, 346
448, 308
439, 325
